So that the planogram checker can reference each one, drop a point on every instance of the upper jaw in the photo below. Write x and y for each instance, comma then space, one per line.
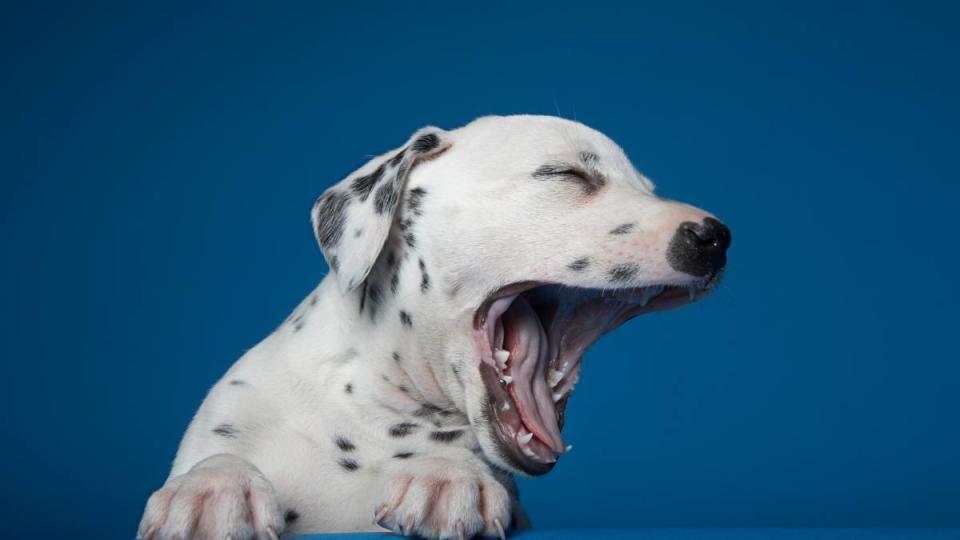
530, 337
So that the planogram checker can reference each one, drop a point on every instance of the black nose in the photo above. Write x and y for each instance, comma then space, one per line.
699, 249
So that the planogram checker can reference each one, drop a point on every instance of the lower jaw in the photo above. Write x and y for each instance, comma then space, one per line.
505, 423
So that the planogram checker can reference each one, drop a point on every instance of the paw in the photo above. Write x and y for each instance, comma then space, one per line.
443, 498
221, 497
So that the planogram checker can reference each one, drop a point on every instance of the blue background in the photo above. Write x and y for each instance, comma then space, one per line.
159, 163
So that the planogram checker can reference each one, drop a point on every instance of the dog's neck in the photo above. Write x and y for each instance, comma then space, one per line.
388, 333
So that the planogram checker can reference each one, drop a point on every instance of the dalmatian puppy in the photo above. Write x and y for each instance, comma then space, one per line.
470, 270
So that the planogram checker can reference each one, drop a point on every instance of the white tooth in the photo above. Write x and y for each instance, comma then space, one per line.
554, 377
524, 439
507, 379
506, 407
527, 451
502, 356
568, 448
557, 396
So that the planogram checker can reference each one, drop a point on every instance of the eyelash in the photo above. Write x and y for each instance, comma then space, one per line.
588, 183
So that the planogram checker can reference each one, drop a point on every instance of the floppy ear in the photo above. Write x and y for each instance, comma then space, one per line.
352, 219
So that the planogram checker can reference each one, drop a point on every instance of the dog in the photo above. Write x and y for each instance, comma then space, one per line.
470, 270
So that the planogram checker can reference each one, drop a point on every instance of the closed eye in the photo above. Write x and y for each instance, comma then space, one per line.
589, 183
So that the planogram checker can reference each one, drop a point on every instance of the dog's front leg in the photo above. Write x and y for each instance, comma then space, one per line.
443, 497
223, 496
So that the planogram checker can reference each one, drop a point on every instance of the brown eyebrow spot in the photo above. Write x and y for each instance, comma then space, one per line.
590, 183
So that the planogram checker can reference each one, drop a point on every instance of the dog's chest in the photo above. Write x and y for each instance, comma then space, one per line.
363, 411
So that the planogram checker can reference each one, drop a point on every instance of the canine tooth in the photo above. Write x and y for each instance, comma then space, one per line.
554, 377
502, 356
524, 439
507, 380
500, 531
527, 451
557, 396
506, 407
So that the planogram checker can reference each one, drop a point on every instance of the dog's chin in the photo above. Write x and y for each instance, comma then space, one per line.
530, 337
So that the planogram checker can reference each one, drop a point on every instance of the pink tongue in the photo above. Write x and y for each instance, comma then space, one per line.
527, 342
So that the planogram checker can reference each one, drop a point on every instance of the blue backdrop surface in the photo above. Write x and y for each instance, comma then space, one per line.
159, 163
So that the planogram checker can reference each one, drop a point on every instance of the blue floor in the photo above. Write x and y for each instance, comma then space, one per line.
698, 534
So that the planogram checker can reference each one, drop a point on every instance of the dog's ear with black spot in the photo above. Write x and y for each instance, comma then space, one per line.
352, 219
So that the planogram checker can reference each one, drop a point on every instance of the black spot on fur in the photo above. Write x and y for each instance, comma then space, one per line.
456, 373
405, 319
394, 282
424, 277
334, 263
402, 429
415, 200
623, 272
579, 264
348, 388
344, 444
589, 158
358, 232
410, 239
403, 455
297, 322
238, 382
331, 216
396, 356
226, 430
375, 296
623, 229
403, 389
426, 409
313, 300
363, 185
363, 296
348, 464
425, 143
291, 516
386, 198
391, 258
445, 436
397, 158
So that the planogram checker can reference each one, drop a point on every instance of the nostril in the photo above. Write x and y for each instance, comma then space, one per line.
715, 234
701, 236
692, 231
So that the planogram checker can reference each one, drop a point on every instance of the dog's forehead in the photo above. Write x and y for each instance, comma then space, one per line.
545, 134
522, 143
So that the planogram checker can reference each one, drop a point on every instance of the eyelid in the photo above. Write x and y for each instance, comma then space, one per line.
561, 170
589, 183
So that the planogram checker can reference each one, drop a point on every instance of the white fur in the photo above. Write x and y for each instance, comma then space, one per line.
485, 223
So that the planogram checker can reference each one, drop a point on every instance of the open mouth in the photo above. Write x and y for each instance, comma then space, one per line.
531, 337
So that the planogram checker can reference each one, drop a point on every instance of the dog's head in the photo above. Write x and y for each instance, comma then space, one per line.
517, 242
